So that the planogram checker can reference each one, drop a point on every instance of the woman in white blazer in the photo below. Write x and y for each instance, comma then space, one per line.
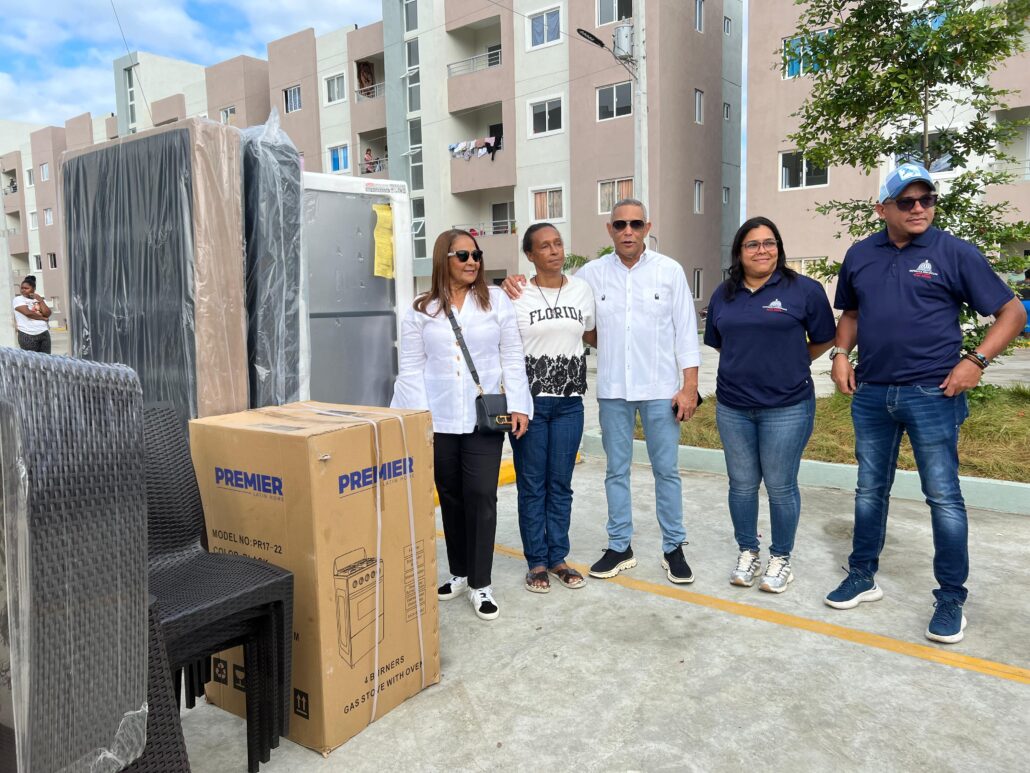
433, 375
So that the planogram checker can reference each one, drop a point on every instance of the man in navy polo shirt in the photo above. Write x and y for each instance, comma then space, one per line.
900, 291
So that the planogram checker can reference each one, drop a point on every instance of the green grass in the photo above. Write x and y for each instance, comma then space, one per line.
994, 442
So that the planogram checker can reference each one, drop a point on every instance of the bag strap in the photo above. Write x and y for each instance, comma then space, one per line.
464, 349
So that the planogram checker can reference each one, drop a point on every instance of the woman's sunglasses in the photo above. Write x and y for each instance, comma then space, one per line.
464, 255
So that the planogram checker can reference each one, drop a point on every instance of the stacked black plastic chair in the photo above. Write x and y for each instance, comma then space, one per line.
210, 602
74, 543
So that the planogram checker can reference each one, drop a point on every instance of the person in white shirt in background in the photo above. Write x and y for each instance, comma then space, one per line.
433, 376
647, 362
30, 317
553, 314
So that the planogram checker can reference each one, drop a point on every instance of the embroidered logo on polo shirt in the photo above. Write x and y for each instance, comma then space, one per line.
774, 306
924, 270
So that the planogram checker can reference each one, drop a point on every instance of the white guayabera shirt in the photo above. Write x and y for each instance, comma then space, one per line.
646, 326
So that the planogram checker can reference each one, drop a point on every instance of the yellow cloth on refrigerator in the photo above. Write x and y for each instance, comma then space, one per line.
384, 241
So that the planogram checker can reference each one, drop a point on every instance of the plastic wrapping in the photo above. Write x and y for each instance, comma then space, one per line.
73, 563
154, 238
272, 207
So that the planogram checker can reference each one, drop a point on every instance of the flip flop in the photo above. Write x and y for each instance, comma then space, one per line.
533, 580
569, 577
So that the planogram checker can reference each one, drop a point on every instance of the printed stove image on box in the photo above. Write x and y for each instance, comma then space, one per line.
355, 575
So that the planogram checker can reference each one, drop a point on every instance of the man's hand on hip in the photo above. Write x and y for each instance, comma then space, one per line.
963, 376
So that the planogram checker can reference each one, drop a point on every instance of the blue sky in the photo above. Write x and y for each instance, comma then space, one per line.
58, 53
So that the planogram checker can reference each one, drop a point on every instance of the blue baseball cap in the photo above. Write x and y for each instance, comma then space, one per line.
901, 178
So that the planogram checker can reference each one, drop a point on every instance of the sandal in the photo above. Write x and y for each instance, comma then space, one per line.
537, 582
568, 577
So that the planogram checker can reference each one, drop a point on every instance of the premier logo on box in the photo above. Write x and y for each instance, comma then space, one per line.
358, 480
241, 480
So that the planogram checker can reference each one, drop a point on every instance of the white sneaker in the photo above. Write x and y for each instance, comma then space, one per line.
748, 565
778, 575
483, 602
453, 587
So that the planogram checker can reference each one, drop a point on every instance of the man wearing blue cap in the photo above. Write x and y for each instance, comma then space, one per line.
900, 291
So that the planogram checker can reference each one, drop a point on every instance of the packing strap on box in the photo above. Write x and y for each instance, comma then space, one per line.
364, 417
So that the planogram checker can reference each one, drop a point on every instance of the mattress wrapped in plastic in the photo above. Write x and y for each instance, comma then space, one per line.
73, 566
272, 198
154, 238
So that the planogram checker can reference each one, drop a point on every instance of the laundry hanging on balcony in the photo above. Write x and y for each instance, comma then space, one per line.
475, 148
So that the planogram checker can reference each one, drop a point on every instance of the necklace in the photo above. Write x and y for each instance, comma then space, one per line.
556, 299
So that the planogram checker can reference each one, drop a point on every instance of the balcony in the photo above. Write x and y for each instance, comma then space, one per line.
10, 189
463, 13
479, 173
479, 80
499, 243
1016, 193
375, 167
16, 239
369, 109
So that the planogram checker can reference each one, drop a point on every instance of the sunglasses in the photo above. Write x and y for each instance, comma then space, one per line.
464, 255
636, 225
926, 202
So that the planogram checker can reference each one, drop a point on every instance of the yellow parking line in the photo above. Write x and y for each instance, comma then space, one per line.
855, 636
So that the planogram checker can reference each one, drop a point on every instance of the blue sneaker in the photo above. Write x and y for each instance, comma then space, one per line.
947, 623
855, 589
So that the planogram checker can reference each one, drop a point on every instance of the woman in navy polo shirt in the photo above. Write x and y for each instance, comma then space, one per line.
768, 323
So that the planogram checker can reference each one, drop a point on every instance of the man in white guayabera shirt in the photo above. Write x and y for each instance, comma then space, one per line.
647, 362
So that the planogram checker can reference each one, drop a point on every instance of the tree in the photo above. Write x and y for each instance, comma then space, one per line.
910, 81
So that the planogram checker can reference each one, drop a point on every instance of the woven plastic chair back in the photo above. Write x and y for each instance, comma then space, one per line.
74, 511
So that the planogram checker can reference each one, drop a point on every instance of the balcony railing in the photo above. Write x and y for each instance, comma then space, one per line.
489, 228
474, 63
373, 165
7, 233
375, 91
1018, 168
12, 188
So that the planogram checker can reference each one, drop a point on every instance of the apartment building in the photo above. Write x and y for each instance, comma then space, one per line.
151, 90
783, 186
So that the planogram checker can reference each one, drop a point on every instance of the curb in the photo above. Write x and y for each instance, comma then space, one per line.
982, 493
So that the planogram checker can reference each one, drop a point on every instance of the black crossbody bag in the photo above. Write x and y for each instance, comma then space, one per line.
491, 409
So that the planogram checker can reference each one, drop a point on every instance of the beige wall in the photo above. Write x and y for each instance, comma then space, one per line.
14, 205
47, 146
240, 82
293, 61
78, 131
169, 109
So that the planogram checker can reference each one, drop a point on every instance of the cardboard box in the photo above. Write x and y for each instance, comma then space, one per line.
296, 486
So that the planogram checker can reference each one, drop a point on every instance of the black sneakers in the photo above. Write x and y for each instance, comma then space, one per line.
613, 562
676, 567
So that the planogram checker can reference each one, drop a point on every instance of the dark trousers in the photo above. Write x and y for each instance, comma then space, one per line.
465, 470
36, 343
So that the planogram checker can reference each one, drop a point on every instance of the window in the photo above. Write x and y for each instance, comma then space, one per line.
48, 216
339, 158
418, 226
699, 196
227, 115
414, 77
52, 259
415, 154
804, 266
37, 261
725, 195
699, 15
798, 172
913, 153
410, 15
503, 215
545, 117
797, 59
725, 111
30, 179
291, 99
610, 191
699, 106
697, 284
544, 27
335, 89
614, 101
33, 221
44, 172
548, 204
493, 55
609, 11
727, 25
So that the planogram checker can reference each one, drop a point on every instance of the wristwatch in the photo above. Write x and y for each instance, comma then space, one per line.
834, 351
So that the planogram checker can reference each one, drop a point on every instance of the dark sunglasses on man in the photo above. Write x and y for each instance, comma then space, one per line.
926, 201
636, 225
464, 255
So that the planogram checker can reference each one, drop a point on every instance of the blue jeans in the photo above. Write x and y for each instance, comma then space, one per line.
544, 458
765, 444
662, 434
881, 414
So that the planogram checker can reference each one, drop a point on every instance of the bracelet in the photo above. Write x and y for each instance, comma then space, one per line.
977, 359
